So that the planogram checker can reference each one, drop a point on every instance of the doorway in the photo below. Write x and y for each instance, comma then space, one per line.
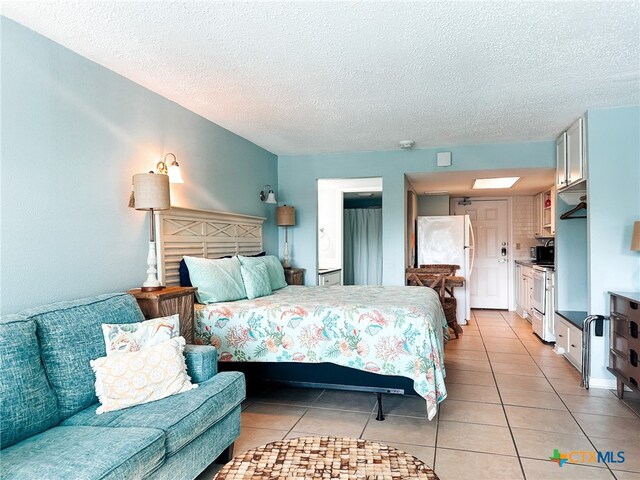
350, 231
490, 277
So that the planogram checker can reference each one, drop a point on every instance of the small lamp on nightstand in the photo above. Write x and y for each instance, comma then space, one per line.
286, 217
151, 192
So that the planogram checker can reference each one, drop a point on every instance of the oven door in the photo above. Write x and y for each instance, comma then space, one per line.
538, 299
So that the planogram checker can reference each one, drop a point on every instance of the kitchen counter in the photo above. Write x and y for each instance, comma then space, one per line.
576, 317
631, 296
529, 263
322, 271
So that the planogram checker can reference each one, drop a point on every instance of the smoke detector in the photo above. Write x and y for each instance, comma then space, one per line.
407, 144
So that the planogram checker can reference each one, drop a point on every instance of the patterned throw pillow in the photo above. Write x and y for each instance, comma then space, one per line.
132, 337
133, 378
256, 280
217, 280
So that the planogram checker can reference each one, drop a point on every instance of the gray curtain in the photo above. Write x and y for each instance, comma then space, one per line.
363, 246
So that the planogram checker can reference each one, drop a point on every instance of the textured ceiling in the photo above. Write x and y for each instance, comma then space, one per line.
532, 181
313, 77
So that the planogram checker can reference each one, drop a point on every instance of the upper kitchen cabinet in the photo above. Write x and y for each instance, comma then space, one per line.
544, 213
561, 161
571, 158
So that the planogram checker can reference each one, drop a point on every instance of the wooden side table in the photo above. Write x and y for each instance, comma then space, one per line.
294, 276
169, 301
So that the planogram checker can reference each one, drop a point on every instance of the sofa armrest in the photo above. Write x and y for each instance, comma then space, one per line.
202, 362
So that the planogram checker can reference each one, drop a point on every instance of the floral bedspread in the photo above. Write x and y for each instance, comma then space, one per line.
386, 330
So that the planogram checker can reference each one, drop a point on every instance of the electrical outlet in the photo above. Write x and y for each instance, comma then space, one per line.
517, 246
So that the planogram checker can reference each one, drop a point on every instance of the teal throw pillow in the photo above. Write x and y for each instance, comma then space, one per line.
217, 280
274, 269
256, 280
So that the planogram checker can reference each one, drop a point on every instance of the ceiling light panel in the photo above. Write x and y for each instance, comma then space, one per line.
492, 183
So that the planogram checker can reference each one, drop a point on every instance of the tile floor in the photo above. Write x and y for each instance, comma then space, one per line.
511, 402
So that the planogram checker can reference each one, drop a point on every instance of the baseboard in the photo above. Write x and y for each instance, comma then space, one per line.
607, 383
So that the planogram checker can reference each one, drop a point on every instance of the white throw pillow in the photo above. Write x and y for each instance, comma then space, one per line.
133, 378
133, 337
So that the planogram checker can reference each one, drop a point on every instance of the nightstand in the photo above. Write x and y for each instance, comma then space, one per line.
294, 276
169, 301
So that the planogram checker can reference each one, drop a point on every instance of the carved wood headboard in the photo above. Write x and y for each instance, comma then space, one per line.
202, 233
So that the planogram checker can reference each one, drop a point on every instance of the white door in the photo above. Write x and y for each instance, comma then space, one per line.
490, 276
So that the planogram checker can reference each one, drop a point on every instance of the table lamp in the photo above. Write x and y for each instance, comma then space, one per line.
286, 217
151, 192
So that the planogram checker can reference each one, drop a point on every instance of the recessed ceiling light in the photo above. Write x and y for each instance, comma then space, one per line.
365, 194
501, 182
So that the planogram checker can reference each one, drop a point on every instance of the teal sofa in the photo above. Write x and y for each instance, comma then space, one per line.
48, 422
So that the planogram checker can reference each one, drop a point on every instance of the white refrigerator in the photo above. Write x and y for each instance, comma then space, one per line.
449, 239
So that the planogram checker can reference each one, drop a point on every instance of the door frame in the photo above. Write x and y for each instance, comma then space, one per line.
511, 263
344, 185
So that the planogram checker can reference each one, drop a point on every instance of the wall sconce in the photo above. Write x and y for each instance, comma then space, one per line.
173, 170
267, 195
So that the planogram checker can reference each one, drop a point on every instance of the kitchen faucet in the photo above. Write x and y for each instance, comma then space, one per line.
551, 241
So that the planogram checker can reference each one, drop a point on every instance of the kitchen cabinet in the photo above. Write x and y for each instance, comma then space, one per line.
327, 278
561, 160
537, 215
568, 326
524, 277
544, 213
570, 156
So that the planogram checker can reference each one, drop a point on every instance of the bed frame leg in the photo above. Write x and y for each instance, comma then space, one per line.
380, 416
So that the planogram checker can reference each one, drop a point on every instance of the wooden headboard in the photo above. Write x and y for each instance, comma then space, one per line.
202, 233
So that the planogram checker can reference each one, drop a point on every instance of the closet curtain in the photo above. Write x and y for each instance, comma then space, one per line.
363, 246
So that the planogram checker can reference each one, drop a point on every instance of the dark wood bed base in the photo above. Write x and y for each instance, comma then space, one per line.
320, 375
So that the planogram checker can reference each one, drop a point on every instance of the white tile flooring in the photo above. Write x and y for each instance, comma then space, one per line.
511, 402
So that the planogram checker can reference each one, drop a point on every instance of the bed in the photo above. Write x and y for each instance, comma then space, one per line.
384, 332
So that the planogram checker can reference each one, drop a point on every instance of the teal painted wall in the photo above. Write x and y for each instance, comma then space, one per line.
73, 134
297, 177
613, 149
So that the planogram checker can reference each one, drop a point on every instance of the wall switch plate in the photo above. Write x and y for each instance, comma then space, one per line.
443, 159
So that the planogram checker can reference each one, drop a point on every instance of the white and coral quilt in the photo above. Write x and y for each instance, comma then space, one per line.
382, 329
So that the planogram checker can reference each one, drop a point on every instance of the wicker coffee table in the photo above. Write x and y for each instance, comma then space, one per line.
325, 457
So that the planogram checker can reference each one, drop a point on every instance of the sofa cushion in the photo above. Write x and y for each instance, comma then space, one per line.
28, 404
85, 452
70, 335
183, 417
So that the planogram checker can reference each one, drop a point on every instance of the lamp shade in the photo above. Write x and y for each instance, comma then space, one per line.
635, 238
151, 191
285, 216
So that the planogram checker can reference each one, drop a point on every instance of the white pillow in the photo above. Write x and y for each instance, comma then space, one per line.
133, 378
133, 337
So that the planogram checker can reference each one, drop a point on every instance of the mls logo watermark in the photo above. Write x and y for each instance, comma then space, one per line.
582, 456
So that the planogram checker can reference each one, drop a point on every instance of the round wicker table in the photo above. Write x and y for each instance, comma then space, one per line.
325, 457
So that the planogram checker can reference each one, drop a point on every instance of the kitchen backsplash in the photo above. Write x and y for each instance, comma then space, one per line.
522, 225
